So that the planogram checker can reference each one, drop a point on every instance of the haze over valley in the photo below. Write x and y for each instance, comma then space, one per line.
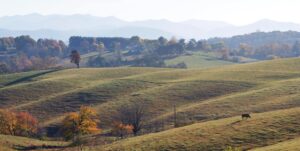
64, 26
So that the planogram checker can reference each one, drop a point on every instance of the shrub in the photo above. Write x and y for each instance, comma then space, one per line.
121, 129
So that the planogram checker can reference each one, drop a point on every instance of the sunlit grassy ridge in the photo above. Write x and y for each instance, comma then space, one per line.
199, 96
51, 95
195, 92
199, 60
263, 129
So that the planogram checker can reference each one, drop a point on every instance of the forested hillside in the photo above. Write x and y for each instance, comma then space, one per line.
24, 53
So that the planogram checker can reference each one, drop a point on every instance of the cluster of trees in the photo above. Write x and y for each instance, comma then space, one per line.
22, 62
135, 45
24, 53
259, 38
41, 47
136, 51
89, 44
76, 125
17, 123
128, 120
259, 45
268, 51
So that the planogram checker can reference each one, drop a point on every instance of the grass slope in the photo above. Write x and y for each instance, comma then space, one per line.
289, 145
195, 92
263, 129
11, 143
6, 79
199, 60
200, 95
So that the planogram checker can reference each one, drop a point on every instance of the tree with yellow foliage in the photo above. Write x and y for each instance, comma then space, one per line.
78, 124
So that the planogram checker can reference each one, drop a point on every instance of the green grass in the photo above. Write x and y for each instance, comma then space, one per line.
195, 92
11, 143
199, 60
289, 145
263, 129
200, 95
9, 78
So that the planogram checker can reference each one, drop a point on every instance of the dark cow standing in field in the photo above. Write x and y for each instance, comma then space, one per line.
246, 116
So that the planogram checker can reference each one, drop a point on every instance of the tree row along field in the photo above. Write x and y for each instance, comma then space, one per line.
24, 53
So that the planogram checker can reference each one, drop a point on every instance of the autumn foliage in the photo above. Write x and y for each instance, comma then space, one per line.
121, 129
82, 123
17, 123
75, 57
26, 124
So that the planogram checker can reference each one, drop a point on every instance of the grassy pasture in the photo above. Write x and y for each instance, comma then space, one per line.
289, 145
263, 129
212, 93
199, 60
12, 143
215, 97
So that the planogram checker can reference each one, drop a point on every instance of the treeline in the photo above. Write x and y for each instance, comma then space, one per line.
41, 47
261, 45
24, 53
135, 45
143, 52
134, 51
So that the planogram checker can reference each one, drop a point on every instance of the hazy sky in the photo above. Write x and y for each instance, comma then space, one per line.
237, 12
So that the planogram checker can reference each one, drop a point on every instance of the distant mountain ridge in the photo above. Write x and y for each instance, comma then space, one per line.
64, 26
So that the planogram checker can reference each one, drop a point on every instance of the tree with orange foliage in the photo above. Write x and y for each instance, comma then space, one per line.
8, 122
17, 123
27, 124
121, 129
78, 124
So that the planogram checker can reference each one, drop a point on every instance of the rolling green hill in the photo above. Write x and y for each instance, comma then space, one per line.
212, 98
263, 129
200, 60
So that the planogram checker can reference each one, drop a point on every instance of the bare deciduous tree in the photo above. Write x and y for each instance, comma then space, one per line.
133, 115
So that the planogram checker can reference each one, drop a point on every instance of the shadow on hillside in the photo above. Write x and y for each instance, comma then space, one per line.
24, 148
29, 78
236, 122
